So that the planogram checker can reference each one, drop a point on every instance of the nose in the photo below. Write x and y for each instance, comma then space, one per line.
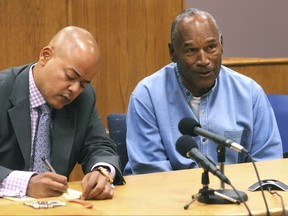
202, 58
74, 87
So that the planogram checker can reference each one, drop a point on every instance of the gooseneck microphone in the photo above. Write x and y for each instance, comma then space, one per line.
188, 148
189, 126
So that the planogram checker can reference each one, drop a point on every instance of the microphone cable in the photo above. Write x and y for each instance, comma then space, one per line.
282, 201
244, 202
260, 183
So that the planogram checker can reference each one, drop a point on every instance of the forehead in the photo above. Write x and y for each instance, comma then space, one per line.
81, 65
81, 56
199, 27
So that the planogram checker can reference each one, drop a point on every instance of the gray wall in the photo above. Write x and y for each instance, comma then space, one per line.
251, 28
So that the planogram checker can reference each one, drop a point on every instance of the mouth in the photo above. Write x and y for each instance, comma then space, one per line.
66, 99
206, 73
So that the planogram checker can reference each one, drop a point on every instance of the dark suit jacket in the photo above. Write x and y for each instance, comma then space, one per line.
78, 133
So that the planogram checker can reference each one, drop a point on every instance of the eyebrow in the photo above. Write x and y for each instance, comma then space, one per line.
191, 42
78, 74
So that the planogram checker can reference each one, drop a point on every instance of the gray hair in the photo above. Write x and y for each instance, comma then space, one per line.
190, 12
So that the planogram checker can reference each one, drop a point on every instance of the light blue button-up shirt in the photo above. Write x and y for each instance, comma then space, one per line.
236, 108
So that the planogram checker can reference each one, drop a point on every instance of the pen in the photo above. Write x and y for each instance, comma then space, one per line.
46, 162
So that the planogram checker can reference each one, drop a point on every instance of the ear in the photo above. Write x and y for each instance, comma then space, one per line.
172, 52
45, 55
222, 44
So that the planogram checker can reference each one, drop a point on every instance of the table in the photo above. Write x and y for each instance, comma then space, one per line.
166, 193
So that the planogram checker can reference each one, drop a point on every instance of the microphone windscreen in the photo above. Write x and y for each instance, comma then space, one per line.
184, 144
186, 126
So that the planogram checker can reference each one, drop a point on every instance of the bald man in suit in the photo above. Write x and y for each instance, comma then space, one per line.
61, 79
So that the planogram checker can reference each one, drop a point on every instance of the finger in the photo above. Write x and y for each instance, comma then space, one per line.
87, 185
96, 186
93, 185
59, 186
96, 190
106, 192
56, 183
56, 177
54, 193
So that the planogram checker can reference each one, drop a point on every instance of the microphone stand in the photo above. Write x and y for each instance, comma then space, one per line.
221, 150
210, 196
220, 196
221, 160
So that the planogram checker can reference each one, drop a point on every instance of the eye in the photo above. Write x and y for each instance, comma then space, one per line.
69, 77
191, 50
212, 47
83, 85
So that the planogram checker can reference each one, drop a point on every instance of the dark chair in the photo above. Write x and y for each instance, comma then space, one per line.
117, 132
280, 106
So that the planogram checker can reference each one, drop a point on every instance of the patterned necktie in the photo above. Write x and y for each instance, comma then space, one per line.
42, 142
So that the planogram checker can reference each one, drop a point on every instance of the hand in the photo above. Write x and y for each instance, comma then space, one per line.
96, 186
47, 184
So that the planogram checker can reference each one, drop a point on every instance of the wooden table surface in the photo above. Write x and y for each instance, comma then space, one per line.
166, 193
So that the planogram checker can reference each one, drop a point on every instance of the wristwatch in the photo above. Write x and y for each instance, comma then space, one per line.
105, 173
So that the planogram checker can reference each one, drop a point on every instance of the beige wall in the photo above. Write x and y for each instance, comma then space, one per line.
251, 28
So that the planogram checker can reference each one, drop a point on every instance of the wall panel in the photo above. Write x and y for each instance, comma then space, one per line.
270, 73
133, 37
26, 26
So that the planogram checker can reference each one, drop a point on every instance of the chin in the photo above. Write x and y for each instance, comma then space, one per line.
56, 105
59, 107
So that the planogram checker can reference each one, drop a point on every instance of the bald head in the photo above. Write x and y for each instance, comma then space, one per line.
71, 40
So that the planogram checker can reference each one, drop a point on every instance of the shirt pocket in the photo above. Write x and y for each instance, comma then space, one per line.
238, 136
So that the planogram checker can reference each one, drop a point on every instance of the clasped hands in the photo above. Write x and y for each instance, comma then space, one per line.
95, 185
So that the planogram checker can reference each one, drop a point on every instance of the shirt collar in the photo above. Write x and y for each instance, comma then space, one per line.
187, 93
35, 97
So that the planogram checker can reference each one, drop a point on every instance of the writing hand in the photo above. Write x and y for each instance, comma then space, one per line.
47, 184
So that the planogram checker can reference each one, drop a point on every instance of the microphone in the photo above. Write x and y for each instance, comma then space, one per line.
189, 126
188, 148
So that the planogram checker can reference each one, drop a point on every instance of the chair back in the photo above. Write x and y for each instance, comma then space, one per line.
116, 123
279, 103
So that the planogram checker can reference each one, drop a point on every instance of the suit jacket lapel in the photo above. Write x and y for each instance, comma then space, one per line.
20, 115
63, 138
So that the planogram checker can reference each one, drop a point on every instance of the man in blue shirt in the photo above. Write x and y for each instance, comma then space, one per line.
198, 86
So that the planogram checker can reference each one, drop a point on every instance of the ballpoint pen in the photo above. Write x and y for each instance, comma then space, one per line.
46, 162
49, 166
